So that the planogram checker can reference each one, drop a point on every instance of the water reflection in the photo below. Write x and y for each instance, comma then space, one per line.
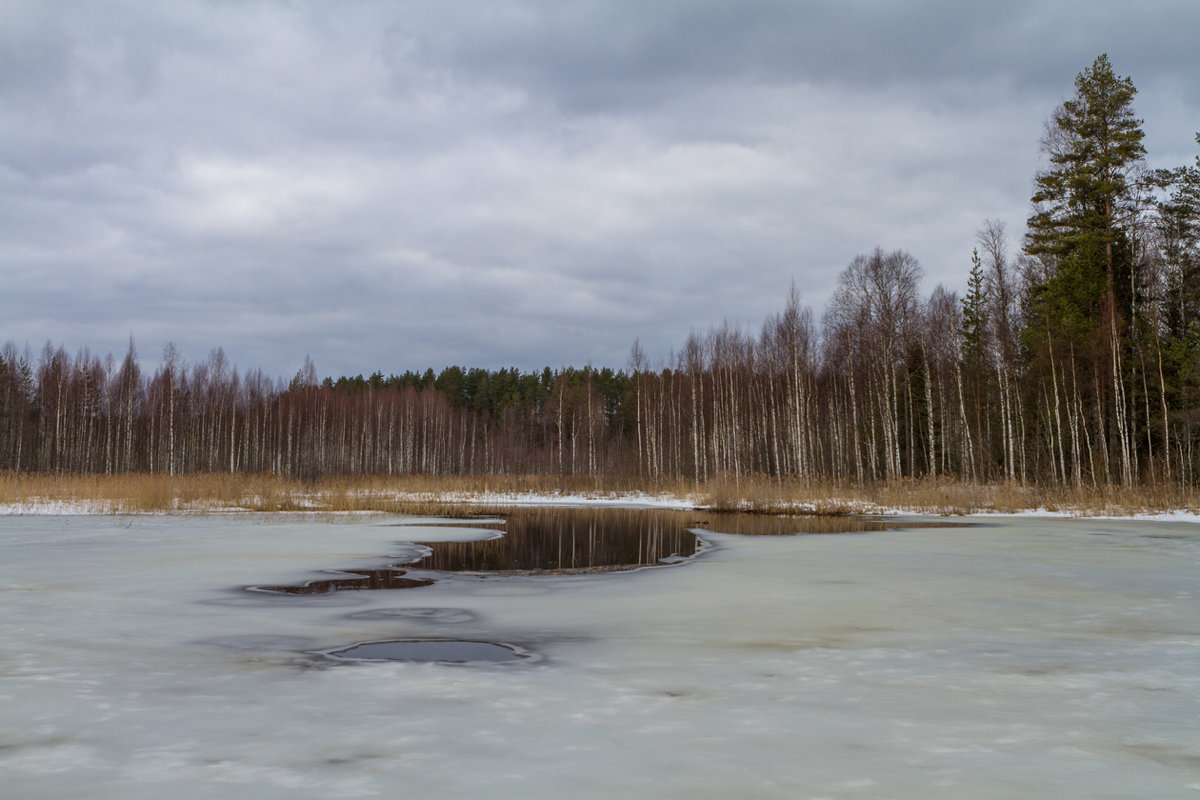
569, 540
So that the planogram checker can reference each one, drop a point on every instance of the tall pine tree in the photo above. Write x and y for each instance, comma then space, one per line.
1081, 229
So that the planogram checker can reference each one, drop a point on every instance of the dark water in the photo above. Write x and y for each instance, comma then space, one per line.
575, 540
570, 540
443, 651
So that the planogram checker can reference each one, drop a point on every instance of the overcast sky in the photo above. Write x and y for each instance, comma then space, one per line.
402, 185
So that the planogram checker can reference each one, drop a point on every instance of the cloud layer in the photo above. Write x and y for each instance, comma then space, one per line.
400, 185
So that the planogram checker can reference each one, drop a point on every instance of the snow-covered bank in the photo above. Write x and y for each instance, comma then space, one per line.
40, 506
57, 507
1155, 516
589, 500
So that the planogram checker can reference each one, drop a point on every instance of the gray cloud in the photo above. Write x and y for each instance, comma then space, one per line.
401, 185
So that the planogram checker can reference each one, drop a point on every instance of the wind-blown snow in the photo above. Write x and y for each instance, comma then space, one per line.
1017, 658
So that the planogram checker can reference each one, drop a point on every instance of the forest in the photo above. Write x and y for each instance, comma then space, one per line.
1073, 360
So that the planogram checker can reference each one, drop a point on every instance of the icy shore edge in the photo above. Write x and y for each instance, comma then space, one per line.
55, 507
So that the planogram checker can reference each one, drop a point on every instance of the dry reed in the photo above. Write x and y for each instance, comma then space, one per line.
938, 496
209, 492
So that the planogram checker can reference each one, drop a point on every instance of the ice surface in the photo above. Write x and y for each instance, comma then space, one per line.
1018, 658
444, 651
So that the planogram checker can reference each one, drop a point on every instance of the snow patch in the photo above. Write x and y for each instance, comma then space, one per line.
56, 507
1144, 516
37, 505
593, 500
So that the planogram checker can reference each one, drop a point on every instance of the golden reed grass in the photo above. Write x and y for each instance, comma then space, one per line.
197, 493
945, 496
421, 494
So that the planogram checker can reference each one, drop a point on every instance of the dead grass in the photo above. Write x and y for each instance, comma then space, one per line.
217, 492
204, 493
141, 492
940, 496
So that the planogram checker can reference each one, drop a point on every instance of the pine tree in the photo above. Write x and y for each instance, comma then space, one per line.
1084, 205
1093, 142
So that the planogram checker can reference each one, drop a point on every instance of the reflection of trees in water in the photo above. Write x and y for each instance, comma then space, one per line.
607, 538
559, 539
567, 539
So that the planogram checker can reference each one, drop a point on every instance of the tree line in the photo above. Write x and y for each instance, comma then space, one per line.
1075, 361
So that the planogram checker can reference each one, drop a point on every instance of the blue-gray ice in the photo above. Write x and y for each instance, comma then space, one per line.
1021, 658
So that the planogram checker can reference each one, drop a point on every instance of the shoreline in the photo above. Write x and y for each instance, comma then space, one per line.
400, 502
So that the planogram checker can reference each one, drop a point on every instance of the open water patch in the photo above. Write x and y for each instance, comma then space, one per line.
558, 541
531, 542
570, 540
436, 651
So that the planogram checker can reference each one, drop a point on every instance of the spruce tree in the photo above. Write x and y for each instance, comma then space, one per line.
974, 349
974, 306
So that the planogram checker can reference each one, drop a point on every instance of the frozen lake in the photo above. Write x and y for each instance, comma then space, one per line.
1016, 658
